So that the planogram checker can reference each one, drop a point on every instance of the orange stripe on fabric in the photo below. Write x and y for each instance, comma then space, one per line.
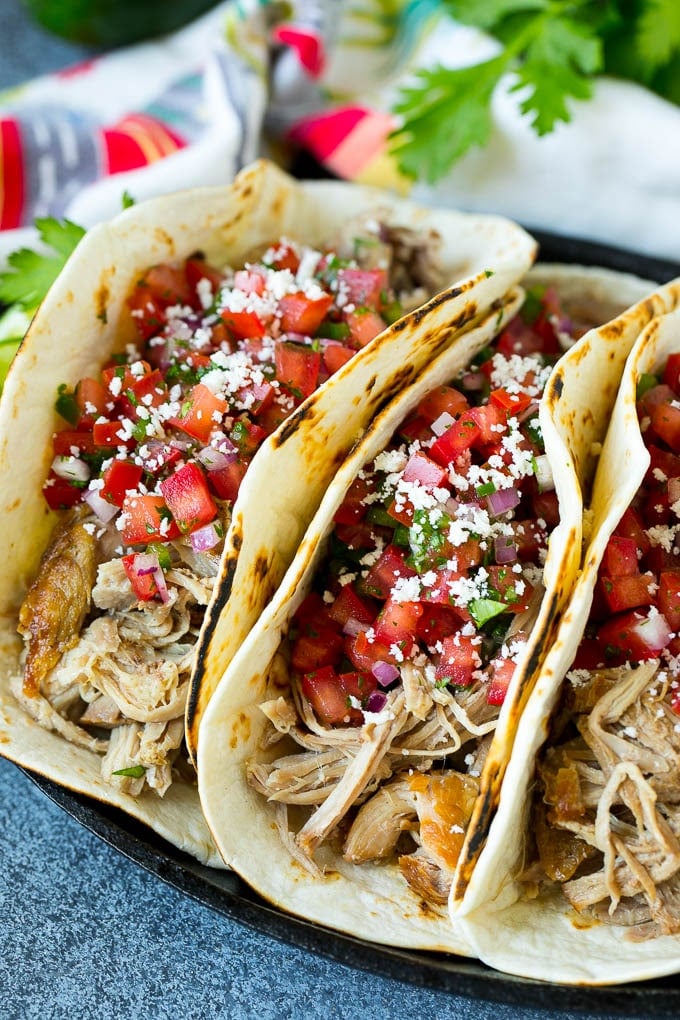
366, 141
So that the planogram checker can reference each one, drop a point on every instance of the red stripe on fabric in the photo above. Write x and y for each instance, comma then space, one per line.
322, 133
11, 175
136, 141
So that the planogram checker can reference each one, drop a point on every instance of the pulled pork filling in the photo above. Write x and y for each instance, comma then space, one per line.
607, 807
150, 461
389, 684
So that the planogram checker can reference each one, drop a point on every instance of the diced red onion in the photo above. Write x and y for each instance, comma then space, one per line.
354, 626
504, 549
452, 506
214, 460
473, 380
441, 424
71, 468
376, 701
204, 538
99, 506
544, 475
528, 412
502, 500
384, 672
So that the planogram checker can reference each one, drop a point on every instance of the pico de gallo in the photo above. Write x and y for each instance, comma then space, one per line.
149, 462
606, 813
402, 652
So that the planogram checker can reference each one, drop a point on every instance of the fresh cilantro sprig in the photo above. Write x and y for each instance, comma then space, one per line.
554, 49
31, 273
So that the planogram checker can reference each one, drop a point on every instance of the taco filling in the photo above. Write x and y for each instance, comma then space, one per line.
606, 813
149, 463
398, 660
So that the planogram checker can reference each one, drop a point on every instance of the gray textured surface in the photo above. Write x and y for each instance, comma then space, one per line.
87, 933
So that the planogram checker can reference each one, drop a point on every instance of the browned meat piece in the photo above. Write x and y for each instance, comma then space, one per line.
58, 601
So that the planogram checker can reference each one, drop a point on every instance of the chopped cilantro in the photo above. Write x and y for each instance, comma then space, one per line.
483, 610
134, 772
66, 405
646, 382
427, 540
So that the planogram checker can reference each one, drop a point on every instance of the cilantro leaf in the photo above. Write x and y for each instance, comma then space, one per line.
32, 273
556, 67
491, 13
444, 115
658, 32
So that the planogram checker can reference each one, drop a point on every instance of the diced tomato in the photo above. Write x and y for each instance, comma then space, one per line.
169, 286
620, 557
442, 400
349, 605
502, 672
528, 538
655, 507
247, 436
665, 420
660, 394
546, 507
504, 582
196, 269
364, 325
352, 508
467, 554
187, 494
363, 287
311, 609
363, 654
589, 655
492, 422
67, 441
59, 493
437, 622
335, 356
635, 635
440, 591
518, 338
147, 311
120, 477
632, 526
285, 257
113, 373
111, 435
663, 461
301, 314
329, 694
157, 455
458, 660
385, 572
91, 398
143, 584
397, 624
249, 281
463, 434
627, 592
668, 597
146, 519
200, 413
318, 645
297, 368
264, 394
508, 402
421, 468
361, 535
243, 325
659, 560
149, 391
417, 428
671, 372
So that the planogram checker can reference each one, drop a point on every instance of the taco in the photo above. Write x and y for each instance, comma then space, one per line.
584, 852
169, 372
340, 758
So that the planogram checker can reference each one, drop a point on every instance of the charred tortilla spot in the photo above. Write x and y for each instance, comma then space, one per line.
294, 421
371, 383
557, 387
166, 239
240, 730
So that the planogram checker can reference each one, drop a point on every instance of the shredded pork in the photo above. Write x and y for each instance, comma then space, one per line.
609, 826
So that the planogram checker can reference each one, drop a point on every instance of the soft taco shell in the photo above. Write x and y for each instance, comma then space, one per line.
85, 319
373, 901
543, 937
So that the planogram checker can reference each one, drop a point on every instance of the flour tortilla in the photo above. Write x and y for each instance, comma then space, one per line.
373, 901
84, 319
544, 938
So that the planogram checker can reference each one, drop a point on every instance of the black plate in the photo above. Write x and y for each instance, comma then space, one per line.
225, 893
